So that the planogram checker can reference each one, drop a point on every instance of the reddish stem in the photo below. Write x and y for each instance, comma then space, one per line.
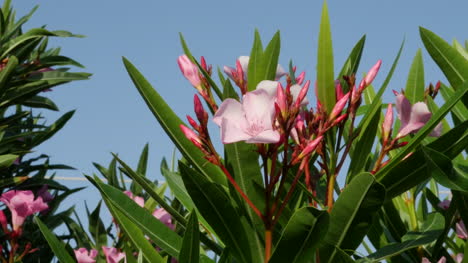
238, 189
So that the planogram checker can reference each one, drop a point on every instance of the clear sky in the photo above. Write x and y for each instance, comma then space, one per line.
111, 116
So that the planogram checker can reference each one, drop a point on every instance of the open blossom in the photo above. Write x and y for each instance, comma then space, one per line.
84, 256
113, 255
138, 199
250, 121
164, 217
22, 205
413, 117
244, 63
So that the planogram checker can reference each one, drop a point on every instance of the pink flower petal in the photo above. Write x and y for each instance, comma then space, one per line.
231, 132
268, 86
267, 136
403, 107
259, 108
113, 255
164, 217
461, 230
229, 109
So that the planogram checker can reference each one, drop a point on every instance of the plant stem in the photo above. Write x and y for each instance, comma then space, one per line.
239, 190
330, 187
268, 241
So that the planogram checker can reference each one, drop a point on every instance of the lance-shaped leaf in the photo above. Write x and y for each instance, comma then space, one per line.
190, 250
351, 64
55, 244
136, 237
214, 205
440, 167
430, 231
301, 236
352, 214
263, 63
414, 91
325, 76
242, 162
459, 110
170, 123
7, 73
449, 60
96, 227
157, 231
6, 160
412, 170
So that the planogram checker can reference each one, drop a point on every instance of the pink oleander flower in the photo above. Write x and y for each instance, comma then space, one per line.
138, 199
459, 258
113, 255
22, 205
84, 256
413, 117
444, 204
271, 88
244, 63
162, 215
250, 121
189, 70
461, 230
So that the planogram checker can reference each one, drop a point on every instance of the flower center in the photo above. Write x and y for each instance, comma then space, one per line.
255, 128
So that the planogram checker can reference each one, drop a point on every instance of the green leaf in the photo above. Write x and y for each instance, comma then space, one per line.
414, 91
96, 227
52, 129
270, 57
55, 244
7, 73
424, 132
158, 232
50, 61
452, 63
412, 170
136, 236
55, 75
150, 190
301, 236
430, 230
190, 250
440, 167
352, 214
325, 75
460, 110
242, 163
170, 123
254, 71
351, 65
40, 102
363, 147
6, 160
214, 205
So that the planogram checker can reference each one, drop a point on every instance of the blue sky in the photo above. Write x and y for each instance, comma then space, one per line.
111, 116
